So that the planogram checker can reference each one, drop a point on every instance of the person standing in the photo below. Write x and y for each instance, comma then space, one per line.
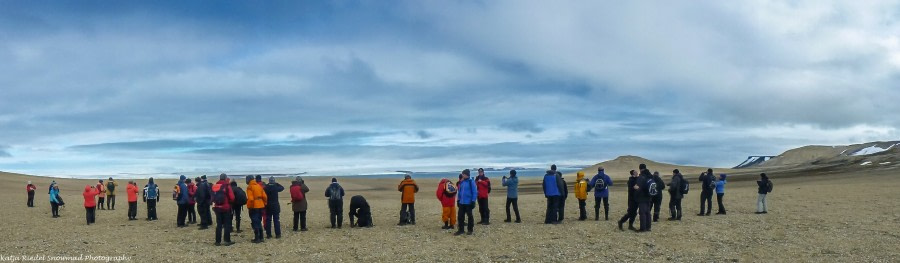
720, 193
192, 200
765, 187
222, 197
484, 190
298, 203
708, 185
581, 186
335, 194
151, 197
512, 195
446, 193
131, 191
273, 208
29, 189
256, 203
183, 200
240, 199
111, 194
657, 199
600, 184
101, 198
676, 193
563, 195
408, 189
55, 200
359, 209
90, 206
203, 197
468, 196
631, 213
550, 187
645, 188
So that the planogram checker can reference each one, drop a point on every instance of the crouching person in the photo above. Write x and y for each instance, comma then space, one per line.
360, 210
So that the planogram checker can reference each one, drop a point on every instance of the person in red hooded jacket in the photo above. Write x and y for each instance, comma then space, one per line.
223, 196
132, 190
30, 188
446, 193
191, 210
90, 204
484, 189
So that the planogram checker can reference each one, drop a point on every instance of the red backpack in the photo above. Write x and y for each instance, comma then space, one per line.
297, 193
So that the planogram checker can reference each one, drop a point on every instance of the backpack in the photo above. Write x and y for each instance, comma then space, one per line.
769, 185
220, 195
297, 195
652, 190
151, 192
335, 192
686, 188
712, 183
240, 198
175, 192
110, 186
451, 189
600, 184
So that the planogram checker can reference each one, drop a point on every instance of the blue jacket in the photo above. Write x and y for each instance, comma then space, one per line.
605, 191
183, 197
550, 185
468, 192
512, 187
53, 196
720, 186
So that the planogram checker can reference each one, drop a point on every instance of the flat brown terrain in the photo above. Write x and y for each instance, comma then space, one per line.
814, 216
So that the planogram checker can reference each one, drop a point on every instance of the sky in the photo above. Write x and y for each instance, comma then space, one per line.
93, 88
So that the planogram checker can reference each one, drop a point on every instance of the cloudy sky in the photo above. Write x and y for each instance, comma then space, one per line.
111, 87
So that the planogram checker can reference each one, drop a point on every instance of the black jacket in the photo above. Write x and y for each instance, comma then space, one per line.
563, 187
631, 191
675, 187
272, 190
203, 196
240, 197
763, 186
660, 184
707, 180
642, 195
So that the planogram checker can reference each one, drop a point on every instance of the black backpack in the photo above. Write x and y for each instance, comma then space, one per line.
652, 189
686, 187
240, 198
712, 182
769, 185
110, 186
335, 192
600, 184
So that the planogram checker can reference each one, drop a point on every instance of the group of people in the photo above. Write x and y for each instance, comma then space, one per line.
458, 200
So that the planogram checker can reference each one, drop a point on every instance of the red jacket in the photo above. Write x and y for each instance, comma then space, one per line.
30, 188
484, 187
229, 195
132, 191
447, 199
89, 195
192, 189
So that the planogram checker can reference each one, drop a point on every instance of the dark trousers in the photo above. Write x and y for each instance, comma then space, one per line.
655, 205
336, 210
132, 210
582, 212
256, 223
205, 214
483, 210
630, 214
675, 207
301, 216
100, 202
236, 212
30, 198
223, 222
552, 209
273, 219
363, 217
561, 209
706, 202
514, 202
644, 212
191, 214
465, 211
182, 214
151, 209
597, 201
411, 209
54, 208
110, 202
719, 200
90, 214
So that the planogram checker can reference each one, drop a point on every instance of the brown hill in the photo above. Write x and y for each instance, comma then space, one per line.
817, 154
619, 167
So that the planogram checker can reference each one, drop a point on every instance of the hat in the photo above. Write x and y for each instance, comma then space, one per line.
599, 168
182, 177
642, 166
249, 178
407, 177
110, 179
101, 180
676, 171
233, 183
259, 178
553, 167
481, 169
203, 177
723, 176
271, 179
512, 172
333, 180
223, 176
466, 172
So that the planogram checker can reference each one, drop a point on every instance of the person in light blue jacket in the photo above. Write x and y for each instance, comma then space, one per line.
512, 195
55, 200
720, 193
468, 195
600, 183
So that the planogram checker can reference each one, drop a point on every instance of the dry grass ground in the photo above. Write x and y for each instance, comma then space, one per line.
838, 217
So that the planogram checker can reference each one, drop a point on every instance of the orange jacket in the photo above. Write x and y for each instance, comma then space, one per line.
409, 189
132, 191
256, 197
89, 195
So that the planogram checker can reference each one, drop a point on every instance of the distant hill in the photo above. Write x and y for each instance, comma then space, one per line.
874, 152
619, 167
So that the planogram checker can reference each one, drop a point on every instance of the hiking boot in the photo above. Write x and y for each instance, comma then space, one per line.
620, 226
228, 243
304, 230
671, 219
458, 233
632, 228
518, 221
256, 241
700, 214
469, 233
277, 236
507, 221
218, 244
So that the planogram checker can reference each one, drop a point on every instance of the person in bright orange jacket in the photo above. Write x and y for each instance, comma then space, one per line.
90, 204
256, 202
132, 191
408, 188
446, 193
581, 186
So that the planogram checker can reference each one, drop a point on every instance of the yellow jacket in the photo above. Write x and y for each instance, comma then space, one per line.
581, 186
256, 196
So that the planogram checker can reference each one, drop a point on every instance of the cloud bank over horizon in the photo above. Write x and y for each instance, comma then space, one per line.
94, 87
